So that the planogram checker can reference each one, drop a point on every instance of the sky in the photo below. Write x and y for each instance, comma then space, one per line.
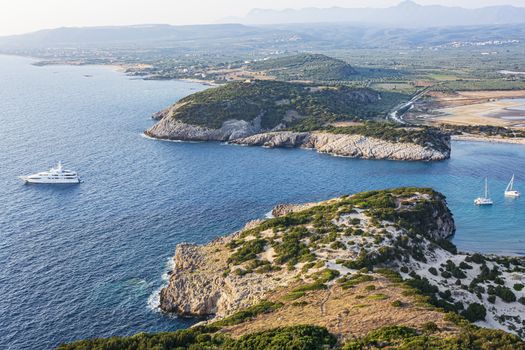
21, 16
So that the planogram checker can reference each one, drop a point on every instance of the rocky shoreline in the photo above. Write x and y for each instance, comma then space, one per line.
257, 264
352, 146
251, 134
489, 139
201, 284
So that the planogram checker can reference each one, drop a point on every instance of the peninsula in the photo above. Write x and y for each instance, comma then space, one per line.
366, 271
338, 120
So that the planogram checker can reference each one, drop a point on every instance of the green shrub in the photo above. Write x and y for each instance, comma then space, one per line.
475, 312
299, 337
390, 333
475, 258
247, 251
429, 327
397, 303
504, 293
446, 274
463, 265
241, 316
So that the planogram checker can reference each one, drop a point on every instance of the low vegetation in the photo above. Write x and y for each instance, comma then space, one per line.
281, 103
406, 338
420, 135
305, 66
390, 227
285, 338
308, 337
483, 130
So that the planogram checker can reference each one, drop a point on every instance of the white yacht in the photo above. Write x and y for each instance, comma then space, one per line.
57, 175
485, 200
510, 191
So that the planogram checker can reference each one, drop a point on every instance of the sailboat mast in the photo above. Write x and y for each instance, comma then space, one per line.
486, 188
511, 184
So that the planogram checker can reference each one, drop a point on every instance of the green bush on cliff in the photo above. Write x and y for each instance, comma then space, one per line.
247, 251
245, 314
475, 312
291, 250
183, 339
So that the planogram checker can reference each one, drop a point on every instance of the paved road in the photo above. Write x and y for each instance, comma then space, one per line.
398, 112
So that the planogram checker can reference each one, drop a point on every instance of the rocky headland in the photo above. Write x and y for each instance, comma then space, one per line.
279, 114
373, 270
354, 146
347, 263
246, 133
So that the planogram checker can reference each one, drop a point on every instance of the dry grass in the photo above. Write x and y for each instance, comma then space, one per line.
347, 313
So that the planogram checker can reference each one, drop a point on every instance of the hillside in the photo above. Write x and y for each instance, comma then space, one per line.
367, 271
283, 104
280, 114
311, 67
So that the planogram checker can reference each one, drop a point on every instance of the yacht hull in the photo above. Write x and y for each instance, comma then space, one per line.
483, 201
512, 194
49, 181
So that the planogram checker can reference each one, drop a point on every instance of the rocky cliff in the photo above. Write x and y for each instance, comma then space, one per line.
214, 279
355, 146
367, 271
202, 285
249, 133
318, 256
173, 129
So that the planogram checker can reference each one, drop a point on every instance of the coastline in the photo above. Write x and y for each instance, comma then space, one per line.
335, 145
118, 67
204, 281
477, 138
484, 110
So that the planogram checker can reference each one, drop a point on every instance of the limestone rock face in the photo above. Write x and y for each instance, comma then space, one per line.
283, 209
200, 284
172, 129
355, 146
250, 133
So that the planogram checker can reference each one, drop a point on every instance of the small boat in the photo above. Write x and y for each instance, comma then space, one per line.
485, 200
57, 175
510, 191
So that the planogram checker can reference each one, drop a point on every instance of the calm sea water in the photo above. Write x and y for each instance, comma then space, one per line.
86, 260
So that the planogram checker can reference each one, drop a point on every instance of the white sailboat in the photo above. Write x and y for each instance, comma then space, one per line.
510, 191
485, 200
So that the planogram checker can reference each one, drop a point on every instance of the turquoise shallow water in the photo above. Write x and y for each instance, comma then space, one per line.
83, 261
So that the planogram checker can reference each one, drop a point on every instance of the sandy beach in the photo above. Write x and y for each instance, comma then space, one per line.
493, 139
483, 108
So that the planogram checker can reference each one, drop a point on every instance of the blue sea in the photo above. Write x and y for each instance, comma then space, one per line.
87, 260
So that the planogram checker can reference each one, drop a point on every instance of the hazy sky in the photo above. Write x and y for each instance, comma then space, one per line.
19, 16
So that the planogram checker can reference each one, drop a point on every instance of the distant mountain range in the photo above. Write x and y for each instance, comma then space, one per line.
144, 35
407, 25
406, 14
